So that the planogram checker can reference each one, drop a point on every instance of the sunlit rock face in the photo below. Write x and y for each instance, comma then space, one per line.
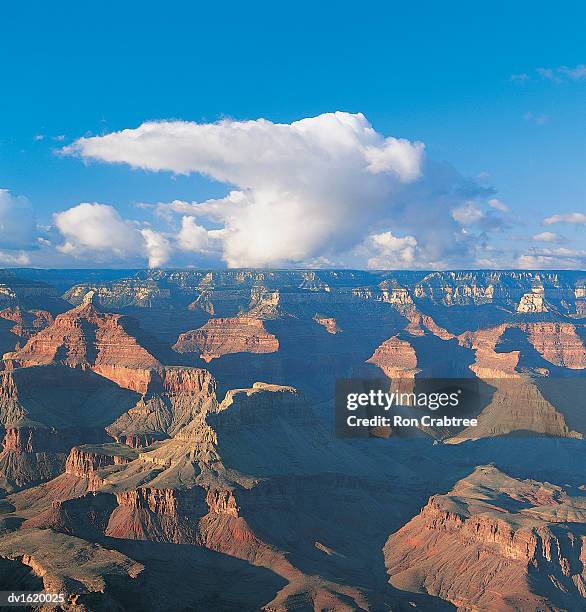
223, 336
494, 542
84, 337
558, 343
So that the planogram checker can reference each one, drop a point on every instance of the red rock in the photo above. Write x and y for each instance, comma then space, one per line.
493, 542
223, 336
85, 338
558, 343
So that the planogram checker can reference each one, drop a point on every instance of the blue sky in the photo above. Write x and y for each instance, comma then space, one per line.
495, 90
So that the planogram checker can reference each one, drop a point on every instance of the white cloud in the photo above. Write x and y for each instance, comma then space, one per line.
326, 189
485, 262
553, 258
391, 251
467, 214
551, 237
157, 246
98, 228
241, 152
213, 209
303, 189
18, 227
549, 262
97, 232
572, 218
14, 259
193, 237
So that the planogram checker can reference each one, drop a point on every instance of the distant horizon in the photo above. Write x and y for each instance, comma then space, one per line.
252, 269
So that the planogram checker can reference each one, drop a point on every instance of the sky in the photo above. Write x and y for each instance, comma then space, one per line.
379, 135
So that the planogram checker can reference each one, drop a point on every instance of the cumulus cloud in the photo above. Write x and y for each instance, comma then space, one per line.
302, 190
18, 227
298, 192
197, 239
391, 251
572, 218
421, 208
241, 152
467, 214
94, 231
470, 214
157, 246
98, 228
328, 190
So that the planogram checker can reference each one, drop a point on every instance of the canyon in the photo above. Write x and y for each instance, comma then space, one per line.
168, 440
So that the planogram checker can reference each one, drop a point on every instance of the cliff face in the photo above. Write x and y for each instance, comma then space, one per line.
223, 336
558, 343
84, 461
40, 427
85, 338
396, 358
266, 293
496, 543
488, 362
171, 398
122, 293
518, 403
160, 515
533, 302
21, 440
33, 454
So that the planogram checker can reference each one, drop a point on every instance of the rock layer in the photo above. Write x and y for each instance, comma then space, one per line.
494, 542
223, 336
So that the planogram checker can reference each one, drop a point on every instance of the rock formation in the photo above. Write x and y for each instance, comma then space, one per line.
223, 336
558, 343
396, 358
533, 301
90, 567
494, 542
329, 323
171, 398
84, 338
